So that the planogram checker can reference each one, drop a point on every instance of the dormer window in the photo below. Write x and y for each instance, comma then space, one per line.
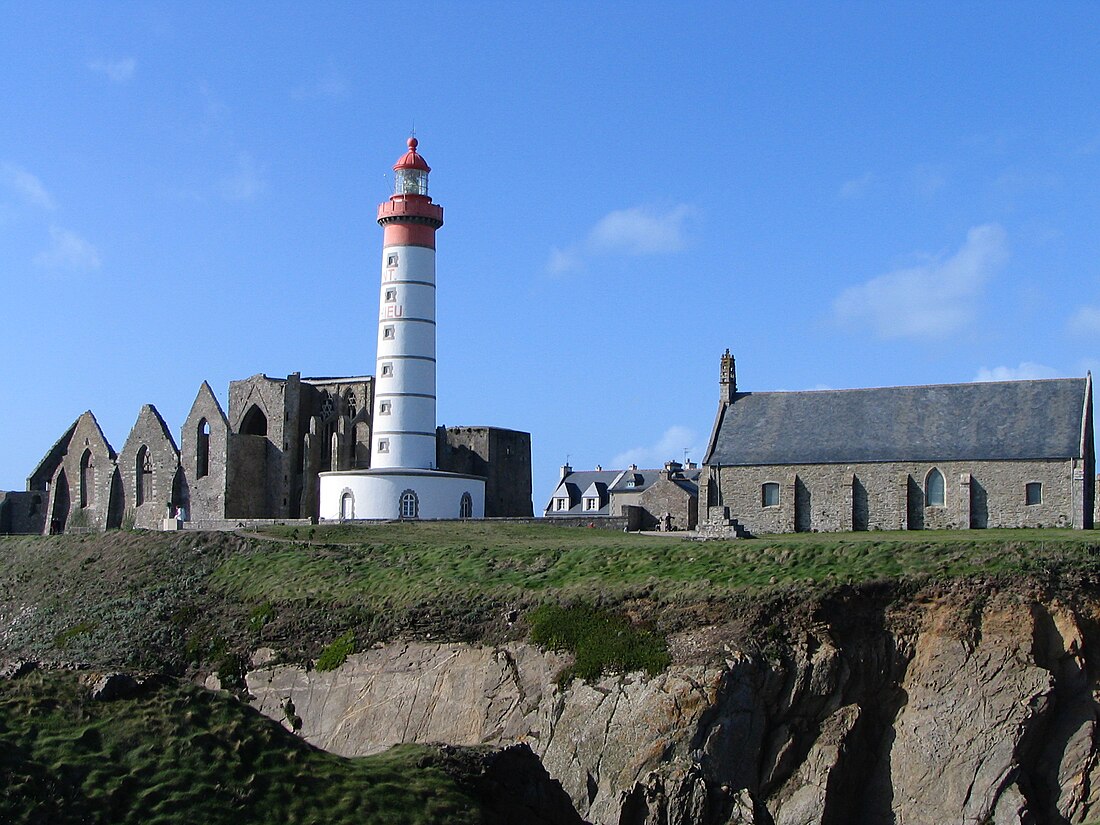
561, 504
591, 504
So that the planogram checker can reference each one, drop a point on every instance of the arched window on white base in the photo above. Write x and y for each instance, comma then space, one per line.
466, 506
347, 505
410, 505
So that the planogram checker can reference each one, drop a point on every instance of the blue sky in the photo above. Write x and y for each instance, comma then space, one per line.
844, 194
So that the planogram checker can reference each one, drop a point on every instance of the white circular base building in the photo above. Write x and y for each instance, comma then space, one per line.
401, 494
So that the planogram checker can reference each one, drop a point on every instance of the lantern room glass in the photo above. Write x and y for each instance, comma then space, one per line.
410, 182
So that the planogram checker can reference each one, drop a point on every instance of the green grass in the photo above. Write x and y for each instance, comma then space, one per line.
336, 652
600, 641
395, 565
178, 754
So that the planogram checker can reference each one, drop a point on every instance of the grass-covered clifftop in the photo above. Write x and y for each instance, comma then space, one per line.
179, 600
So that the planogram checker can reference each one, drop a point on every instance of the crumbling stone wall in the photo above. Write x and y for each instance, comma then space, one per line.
203, 455
502, 457
80, 489
148, 465
22, 511
890, 496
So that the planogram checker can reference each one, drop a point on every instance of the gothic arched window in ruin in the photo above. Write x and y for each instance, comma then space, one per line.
87, 479
327, 405
466, 506
352, 406
202, 449
410, 505
254, 422
934, 494
143, 476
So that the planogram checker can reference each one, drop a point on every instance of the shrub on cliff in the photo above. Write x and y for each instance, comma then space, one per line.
600, 641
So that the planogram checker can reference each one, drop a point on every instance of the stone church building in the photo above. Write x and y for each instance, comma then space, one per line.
951, 456
261, 461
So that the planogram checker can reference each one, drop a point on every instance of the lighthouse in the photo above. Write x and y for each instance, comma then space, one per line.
403, 482
404, 396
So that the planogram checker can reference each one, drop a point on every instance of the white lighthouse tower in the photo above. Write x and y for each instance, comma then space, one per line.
402, 481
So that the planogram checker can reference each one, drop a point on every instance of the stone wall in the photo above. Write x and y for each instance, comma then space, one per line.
203, 452
22, 512
147, 467
666, 496
890, 496
502, 457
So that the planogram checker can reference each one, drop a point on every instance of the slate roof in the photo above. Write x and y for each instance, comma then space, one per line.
1002, 420
575, 484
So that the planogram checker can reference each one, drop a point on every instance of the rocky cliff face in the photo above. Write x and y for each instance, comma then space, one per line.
951, 708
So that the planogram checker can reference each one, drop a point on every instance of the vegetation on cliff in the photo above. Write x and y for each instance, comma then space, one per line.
176, 754
176, 601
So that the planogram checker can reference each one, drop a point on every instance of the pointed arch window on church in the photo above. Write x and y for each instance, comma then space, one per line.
934, 492
143, 476
202, 449
352, 404
87, 479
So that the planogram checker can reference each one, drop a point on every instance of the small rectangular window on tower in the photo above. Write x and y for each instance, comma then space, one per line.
388, 333
383, 445
387, 370
391, 295
384, 407
391, 260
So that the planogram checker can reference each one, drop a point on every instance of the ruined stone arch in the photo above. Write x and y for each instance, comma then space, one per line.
59, 513
202, 448
87, 479
254, 421
143, 476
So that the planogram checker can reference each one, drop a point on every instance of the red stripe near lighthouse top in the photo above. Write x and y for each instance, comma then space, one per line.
408, 234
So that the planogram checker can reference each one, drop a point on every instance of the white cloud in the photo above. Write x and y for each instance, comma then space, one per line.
1027, 370
669, 447
856, 187
332, 84
118, 71
934, 299
639, 230
1085, 321
68, 251
27, 186
245, 183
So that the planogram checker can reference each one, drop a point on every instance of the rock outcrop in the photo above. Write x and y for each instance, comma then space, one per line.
943, 710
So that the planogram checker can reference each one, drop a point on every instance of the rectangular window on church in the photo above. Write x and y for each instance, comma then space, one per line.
769, 494
1033, 493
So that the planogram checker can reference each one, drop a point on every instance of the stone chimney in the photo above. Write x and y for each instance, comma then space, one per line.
565, 470
727, 383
